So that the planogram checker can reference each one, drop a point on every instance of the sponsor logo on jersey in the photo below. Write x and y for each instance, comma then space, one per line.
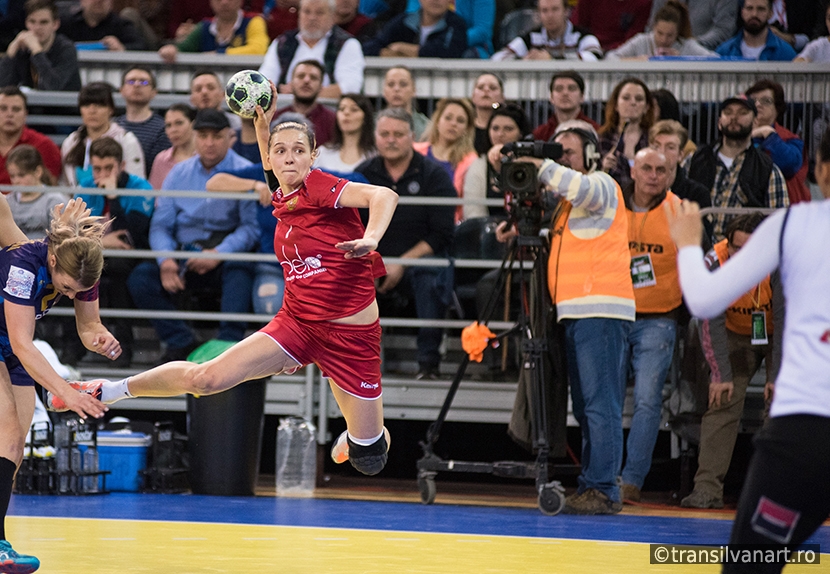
365, 385
19, 282
299, 267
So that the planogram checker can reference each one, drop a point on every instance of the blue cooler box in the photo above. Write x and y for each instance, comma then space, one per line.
124, 454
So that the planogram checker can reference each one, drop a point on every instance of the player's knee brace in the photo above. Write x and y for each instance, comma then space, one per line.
369, 459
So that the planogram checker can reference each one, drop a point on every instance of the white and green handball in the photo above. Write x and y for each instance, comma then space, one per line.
245, 91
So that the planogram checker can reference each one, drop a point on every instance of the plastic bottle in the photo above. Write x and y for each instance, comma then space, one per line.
91, 465
63, 430
296, 457
75, 467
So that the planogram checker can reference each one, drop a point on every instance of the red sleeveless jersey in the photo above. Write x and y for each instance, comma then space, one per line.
320, 283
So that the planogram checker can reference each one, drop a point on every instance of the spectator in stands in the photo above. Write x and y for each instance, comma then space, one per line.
306, 85
230, 31
479, 16
150, 17
659, 304
282, 16
712, 21
415, 230
556, 39
755, 41
138, 88
507, 124
434, 31
32, 210
567, 93
317, 38
97, 108
12, 22
185, 15
353, 140
14, 132
488, 92
399, 92
819, 49
207, 92
347, 16
797, 21
628, 117
130, 228
611, 21
737, 173
96, 22
669, 137
784, 147
449, 139
735, 343
190, 224
39, 57
596, 309
178, 127
670, 35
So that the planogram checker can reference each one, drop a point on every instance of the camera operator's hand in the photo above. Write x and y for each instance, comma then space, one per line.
528, 159
495, 157
505, 231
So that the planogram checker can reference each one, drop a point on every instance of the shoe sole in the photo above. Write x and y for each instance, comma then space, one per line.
9, 567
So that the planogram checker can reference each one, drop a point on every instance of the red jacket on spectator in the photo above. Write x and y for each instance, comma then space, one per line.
49, 151
611, 21
797, 187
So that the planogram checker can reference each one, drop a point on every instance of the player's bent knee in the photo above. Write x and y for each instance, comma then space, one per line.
202, 381
370, 459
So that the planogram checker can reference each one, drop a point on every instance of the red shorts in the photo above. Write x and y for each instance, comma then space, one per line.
347, 354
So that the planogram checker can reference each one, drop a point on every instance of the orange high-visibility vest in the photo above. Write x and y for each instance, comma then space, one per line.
591, 277
648, 233
759, 298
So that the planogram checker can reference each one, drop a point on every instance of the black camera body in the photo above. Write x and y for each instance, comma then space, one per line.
523, 196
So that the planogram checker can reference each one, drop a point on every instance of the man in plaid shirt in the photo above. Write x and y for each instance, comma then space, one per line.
736, 173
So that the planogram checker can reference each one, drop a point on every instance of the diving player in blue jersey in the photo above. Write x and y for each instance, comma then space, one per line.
33, 277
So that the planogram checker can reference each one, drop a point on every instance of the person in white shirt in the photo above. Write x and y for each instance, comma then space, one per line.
785, 496
556, 39
316, 30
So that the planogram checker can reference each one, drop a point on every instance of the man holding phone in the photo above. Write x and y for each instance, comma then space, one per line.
130, 229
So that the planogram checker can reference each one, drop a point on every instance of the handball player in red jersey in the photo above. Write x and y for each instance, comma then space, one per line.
329, 315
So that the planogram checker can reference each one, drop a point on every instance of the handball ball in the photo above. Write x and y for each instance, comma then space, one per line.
245, 91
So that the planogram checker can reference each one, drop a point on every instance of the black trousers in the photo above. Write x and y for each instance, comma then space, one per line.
786, 496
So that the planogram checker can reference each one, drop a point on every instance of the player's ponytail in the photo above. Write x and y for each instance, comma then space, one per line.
78, 248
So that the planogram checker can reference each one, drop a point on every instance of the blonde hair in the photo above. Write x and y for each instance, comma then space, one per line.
78, 248
464, 144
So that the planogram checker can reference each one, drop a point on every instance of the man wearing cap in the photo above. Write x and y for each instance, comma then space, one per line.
736, 172
197, 224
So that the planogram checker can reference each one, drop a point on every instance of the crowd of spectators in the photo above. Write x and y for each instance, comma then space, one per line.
637, 158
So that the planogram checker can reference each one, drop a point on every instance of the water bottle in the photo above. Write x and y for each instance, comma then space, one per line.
91, 465
62, 434
296, 457
75, 466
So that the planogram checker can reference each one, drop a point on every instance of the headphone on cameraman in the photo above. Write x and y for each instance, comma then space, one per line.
590, 141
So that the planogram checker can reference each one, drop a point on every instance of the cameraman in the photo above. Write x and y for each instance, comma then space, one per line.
590, 283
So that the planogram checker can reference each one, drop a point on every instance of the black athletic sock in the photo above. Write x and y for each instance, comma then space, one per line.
7, 469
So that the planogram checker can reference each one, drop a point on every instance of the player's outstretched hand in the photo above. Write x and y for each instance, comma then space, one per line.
73, 210
685, 225
263, 118
357, 248
84, 404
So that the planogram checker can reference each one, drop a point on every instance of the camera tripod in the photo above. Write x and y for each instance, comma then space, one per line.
531, 328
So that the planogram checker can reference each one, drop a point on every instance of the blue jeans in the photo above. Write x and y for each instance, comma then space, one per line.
269, 287
650, 347
430, 287
144, 284
596, 350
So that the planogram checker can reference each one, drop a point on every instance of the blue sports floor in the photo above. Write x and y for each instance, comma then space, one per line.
156, 533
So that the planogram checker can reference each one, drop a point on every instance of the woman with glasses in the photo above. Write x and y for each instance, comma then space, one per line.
784, 147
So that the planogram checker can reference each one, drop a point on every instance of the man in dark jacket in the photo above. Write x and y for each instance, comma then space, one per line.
401, 37
97, 22
415, 230
39, 57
